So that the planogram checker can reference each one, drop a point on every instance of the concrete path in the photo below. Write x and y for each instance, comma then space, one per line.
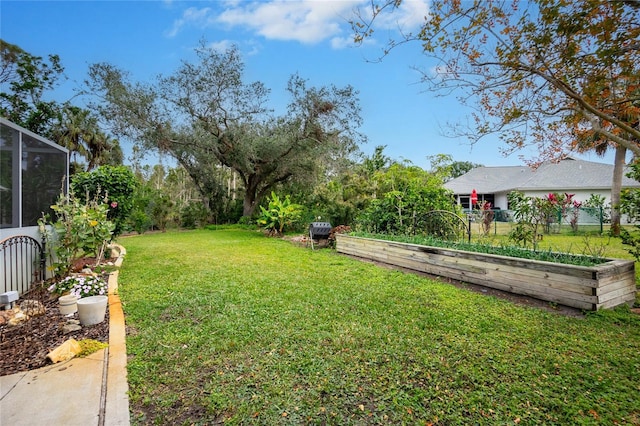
82, 391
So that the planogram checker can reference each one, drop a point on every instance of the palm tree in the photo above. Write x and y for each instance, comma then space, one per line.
102, 150
78, 131
623, 108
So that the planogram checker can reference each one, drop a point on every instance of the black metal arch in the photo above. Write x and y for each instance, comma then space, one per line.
23, 263
442, 224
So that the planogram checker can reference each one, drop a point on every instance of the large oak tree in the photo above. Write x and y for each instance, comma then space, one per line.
205, 116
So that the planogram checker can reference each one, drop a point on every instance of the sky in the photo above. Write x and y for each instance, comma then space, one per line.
277, 38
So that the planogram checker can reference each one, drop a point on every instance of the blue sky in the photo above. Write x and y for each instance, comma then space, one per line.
277, 39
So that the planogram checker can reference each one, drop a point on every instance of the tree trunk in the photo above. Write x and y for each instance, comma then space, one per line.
616, 188
250, 196
248, 204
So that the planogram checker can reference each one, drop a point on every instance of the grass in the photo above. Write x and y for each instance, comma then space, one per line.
230, 326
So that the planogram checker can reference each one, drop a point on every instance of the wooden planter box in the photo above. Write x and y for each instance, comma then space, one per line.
585, 287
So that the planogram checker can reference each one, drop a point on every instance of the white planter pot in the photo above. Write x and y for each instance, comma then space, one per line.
92, 309
68, 304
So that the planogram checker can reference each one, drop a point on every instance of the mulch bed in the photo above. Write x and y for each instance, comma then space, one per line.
25, 346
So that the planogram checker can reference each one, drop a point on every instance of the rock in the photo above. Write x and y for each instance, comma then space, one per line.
70, 328
5, 316
65, 351
32, 308
18, 318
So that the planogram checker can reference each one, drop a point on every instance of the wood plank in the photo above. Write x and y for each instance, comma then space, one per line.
628, 277
616, 267
493, 272
628, 283
570, 285
503, 270
516, 282
612, 303
549, 297
568, 270
621, 292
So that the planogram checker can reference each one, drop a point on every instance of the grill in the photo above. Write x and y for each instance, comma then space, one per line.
319, 231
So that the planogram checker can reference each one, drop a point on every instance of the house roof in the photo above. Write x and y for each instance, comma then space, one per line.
566, 175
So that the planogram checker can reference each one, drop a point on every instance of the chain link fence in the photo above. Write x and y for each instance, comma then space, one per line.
575, 218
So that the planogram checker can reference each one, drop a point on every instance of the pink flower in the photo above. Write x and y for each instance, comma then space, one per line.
114, 204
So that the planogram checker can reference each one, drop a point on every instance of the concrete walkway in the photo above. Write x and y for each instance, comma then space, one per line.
82, 391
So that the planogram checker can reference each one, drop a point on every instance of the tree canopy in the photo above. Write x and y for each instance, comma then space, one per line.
558, 74
25, 78
205, 116
26, 81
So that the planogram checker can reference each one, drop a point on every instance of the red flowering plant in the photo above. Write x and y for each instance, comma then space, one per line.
555, 209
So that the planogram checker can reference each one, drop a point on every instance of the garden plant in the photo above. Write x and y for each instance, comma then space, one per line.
80, 229
279, 214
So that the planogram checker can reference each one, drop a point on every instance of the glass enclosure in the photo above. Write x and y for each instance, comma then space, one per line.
33, 172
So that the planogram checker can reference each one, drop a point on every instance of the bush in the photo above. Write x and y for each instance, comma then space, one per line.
194, 215
140, 221
116, 185
279, 214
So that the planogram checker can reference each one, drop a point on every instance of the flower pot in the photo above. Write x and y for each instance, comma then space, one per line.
68, 304
92, 309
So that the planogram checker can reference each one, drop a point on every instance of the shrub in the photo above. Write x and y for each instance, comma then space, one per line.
116, 185
140, 221
194, 215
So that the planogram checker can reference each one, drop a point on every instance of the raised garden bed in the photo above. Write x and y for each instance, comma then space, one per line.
607, 285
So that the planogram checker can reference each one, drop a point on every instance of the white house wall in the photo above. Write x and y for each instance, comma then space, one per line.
501, 201
581, 196
31, 231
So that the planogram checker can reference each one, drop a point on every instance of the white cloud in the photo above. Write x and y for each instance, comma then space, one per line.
221, 45
308, 21
190, 17
409, 16
341, 42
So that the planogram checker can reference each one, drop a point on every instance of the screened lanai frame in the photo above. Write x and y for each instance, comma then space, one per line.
34, 171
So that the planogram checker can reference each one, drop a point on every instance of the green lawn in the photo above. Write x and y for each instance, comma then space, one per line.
231, 326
